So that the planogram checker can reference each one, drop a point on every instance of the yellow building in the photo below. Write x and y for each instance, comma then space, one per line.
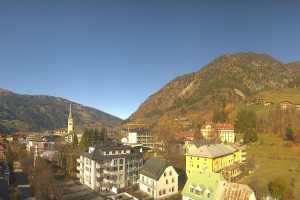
218, 158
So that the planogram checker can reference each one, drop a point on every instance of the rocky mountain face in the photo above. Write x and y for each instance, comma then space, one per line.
39, 113
231, 78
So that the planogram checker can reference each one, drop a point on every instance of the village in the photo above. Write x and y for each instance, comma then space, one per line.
213, 164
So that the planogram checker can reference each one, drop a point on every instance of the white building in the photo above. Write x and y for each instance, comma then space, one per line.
158, 178
208, 131
225, 132
139, 136
110, 166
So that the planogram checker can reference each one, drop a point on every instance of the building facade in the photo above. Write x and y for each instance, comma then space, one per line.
140, 136
225, 132
208, 131
110, 166
218, 158
158, 178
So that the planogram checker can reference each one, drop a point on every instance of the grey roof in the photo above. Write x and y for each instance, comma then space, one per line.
212, 151
98, 153
154, 167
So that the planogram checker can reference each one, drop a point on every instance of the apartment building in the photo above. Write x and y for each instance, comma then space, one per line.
110, 166
139, 136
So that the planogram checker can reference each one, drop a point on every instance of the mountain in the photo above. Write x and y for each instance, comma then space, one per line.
229, 79
40, 112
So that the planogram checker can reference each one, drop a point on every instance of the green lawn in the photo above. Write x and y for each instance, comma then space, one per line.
274, 158
276, 96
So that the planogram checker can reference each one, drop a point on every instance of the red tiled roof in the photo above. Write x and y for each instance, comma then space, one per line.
235, 191
287, 102
224, 126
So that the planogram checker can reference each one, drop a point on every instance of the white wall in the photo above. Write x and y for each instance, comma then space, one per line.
132, 138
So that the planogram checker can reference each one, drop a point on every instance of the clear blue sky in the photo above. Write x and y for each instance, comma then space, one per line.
113, 54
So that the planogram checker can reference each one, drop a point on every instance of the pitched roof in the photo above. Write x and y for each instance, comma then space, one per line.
185, 135
224, 126
203, 181
154, 167
211, 151
235, 191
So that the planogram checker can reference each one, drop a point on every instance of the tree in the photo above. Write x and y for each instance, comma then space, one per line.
246, 119
250, 136
85, 140
71, 165
10, 157
277, 188
289, 134
43, 178
92, 137
75, 141
246, 124
219, 116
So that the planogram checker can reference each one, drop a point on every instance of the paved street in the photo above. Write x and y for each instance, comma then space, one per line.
3, 189
22, 182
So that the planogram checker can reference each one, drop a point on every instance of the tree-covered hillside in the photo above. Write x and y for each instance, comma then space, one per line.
38, 113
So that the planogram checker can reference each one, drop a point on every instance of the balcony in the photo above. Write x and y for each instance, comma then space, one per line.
79, 160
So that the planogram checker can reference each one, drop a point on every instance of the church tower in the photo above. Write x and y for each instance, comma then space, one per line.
70, 121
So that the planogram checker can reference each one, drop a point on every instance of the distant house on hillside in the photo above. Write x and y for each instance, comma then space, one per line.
225, 132
158, 178
285, 105
208, 131
298, 107
268, 103
186, 136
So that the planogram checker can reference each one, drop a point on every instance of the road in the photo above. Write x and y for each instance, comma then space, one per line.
22, 182
3, 189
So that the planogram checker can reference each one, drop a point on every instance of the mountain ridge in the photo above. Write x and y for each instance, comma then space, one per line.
23, 112
230, 78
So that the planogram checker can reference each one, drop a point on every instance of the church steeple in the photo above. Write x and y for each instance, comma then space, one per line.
70, 121
70, 112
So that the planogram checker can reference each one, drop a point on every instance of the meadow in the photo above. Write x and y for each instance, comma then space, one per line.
274, 158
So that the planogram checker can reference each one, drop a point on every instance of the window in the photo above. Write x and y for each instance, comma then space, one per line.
198, 166
159, 193
173, 180
165, 174
170, 173
191, 189
164, 191
173, 189
167, 182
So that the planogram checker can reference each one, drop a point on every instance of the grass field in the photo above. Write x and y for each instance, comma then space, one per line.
276, 96
274, 158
